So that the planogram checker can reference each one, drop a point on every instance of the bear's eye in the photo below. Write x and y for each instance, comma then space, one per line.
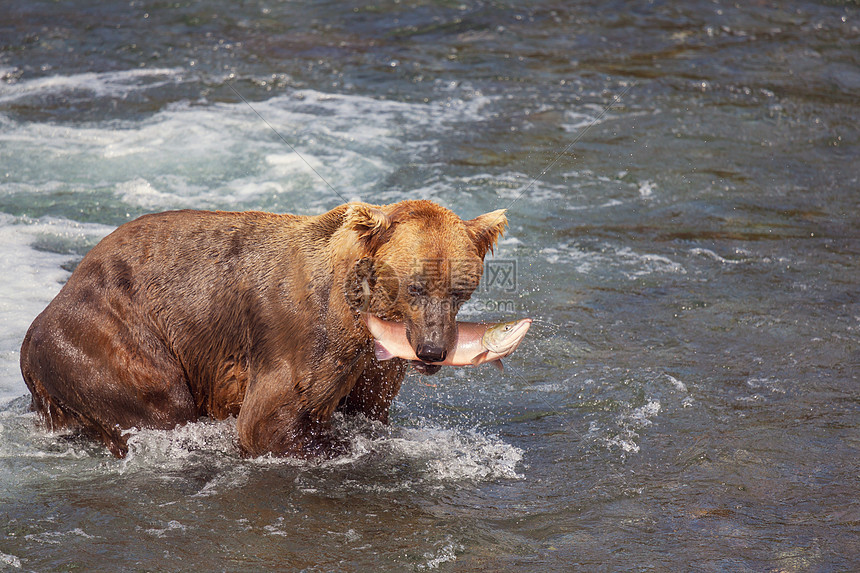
416, 290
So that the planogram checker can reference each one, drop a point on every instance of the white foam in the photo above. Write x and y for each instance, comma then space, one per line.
438, 454
612, 203
224, 155
681, 387
58, 537
204, 440
641, 416
277, 529
625, 435
711, 254
576, 121
445, 554
646, 189
141, 193
10, 560
470, 455
171, 526
772, 385
446, 454
116, 83
631, 264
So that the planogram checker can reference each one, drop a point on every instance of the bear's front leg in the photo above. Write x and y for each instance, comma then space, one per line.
281, 418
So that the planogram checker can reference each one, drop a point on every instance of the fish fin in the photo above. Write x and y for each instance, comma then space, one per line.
381, 352
479, 359
498, 364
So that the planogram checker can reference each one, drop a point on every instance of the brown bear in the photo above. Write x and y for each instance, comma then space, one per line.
185, 314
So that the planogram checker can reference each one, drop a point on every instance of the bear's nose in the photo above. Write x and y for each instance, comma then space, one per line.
428, 353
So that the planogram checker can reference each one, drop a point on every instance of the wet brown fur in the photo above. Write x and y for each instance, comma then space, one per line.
185, 314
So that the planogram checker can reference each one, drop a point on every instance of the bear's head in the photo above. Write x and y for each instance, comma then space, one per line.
419, 263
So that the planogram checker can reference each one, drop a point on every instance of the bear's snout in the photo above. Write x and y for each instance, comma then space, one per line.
430, 353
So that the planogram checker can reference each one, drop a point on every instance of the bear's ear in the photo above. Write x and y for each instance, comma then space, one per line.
486, 229
369, 222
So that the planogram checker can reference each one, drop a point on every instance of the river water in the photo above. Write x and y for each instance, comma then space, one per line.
683, 186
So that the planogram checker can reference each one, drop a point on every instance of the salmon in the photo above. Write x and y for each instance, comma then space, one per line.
477, 342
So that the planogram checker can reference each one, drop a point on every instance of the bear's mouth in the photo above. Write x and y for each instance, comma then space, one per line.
391, 341
424, 367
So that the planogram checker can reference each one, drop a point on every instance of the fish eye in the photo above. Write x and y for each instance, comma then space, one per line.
416, 290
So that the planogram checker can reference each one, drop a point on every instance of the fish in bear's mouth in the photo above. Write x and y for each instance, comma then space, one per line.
476, 343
